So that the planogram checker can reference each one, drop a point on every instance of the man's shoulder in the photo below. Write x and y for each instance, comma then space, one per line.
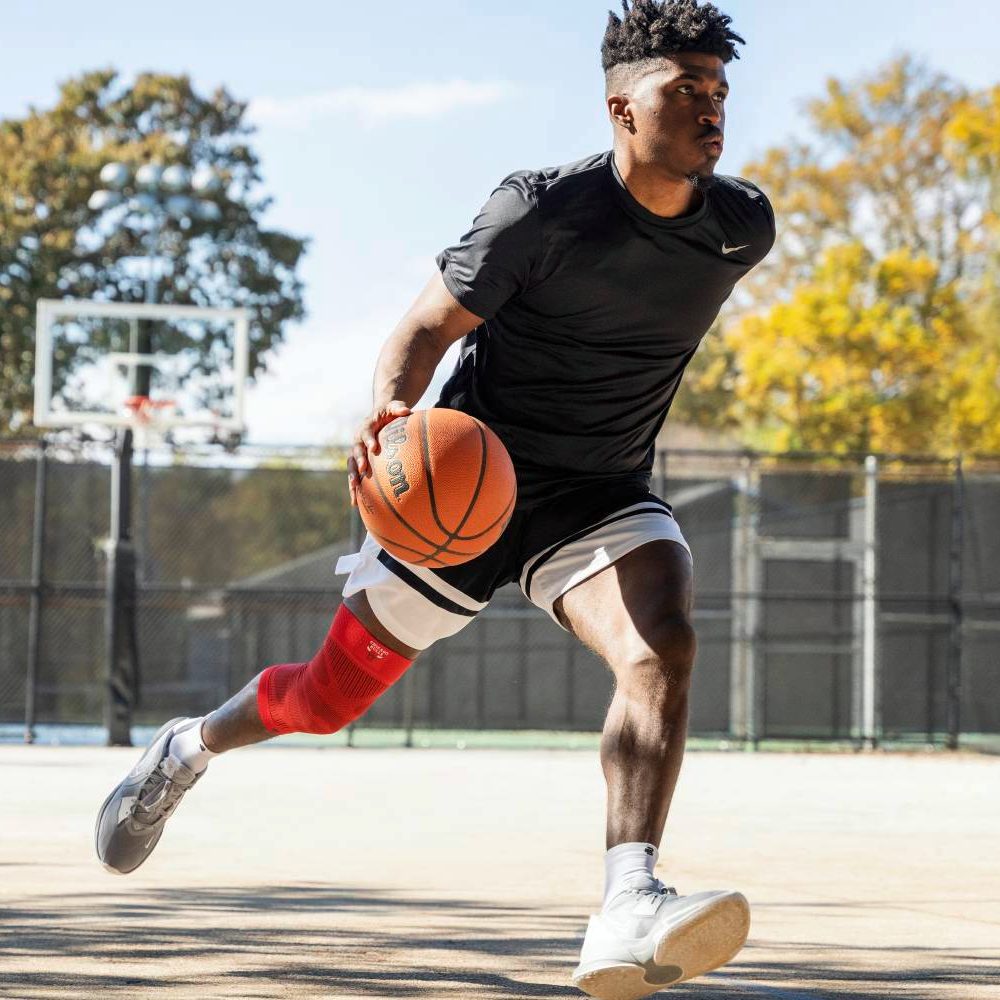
743, 202
549, 183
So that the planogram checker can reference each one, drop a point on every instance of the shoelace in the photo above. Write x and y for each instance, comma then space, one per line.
158, 796
654, 898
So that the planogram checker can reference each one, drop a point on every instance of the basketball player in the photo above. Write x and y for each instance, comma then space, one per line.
580, 293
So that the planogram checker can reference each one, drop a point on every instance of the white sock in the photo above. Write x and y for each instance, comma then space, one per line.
189, 749
629, 866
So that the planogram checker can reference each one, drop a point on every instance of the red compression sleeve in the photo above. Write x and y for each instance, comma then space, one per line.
340, 683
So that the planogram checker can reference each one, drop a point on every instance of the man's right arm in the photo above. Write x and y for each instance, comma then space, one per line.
406, 366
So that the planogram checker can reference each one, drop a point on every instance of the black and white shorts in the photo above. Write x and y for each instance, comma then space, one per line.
548, 548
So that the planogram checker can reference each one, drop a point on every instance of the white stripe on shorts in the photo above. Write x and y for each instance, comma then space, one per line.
560, 567
416, 606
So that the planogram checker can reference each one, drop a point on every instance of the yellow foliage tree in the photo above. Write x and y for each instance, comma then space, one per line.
875, 323
974, 132
870, 355
973, 135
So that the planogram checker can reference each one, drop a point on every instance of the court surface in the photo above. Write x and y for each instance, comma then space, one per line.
296, 872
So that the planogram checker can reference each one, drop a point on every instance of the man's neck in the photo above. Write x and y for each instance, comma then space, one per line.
657, 192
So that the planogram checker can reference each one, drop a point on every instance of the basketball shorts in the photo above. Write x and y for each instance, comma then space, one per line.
548, 548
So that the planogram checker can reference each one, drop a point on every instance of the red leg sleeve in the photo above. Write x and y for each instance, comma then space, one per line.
339, 684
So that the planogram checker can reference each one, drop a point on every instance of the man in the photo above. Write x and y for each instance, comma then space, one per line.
581, 293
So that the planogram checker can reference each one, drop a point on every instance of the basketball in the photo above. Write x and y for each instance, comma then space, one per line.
442, 488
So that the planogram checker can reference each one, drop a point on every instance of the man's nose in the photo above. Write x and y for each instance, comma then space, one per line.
710, 112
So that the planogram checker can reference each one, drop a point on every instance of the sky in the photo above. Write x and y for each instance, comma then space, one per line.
383, 127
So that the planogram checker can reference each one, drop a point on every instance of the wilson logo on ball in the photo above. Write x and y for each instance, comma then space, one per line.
395, 438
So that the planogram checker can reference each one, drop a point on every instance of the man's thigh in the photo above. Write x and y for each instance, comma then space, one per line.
408, 608
626, 605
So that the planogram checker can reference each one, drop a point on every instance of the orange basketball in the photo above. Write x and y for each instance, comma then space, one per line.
442, 488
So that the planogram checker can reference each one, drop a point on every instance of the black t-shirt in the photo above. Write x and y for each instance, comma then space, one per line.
593, 307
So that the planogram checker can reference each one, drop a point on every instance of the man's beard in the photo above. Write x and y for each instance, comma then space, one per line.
701, 182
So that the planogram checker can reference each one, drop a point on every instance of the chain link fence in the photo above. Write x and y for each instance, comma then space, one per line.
841, 599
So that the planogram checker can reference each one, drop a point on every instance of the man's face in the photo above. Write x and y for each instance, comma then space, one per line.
679, 115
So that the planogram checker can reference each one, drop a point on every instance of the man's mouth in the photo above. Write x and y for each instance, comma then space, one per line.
713, 142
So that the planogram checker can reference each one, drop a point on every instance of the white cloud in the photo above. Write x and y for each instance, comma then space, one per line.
412, 100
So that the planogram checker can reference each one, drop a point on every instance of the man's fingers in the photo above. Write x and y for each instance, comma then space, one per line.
360, 460
367, 439
352, 480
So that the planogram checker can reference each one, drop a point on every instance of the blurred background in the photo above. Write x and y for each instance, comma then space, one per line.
833, 457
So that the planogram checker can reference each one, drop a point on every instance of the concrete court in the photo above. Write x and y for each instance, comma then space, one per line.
295, 872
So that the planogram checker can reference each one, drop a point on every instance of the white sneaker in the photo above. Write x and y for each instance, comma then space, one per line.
645, 940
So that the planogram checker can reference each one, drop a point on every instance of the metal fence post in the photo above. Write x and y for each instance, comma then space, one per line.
568, 645
743, 723
869, 660
409, 694
662, 460
35, 606
955, 608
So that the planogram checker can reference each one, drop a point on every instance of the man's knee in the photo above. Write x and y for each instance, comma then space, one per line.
352, 669
660, 653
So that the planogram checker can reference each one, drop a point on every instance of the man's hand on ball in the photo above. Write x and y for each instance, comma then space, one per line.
366, 440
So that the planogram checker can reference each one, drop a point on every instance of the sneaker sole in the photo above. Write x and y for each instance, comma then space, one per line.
706, 940
114, 792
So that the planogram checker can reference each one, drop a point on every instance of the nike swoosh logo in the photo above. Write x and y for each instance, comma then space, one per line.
729, 250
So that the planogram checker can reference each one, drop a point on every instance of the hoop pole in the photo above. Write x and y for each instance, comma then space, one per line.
120, 610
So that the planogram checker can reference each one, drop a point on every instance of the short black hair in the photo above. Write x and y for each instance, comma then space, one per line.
658, 28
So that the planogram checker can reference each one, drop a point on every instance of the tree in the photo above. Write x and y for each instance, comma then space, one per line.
866, 328
53, 246
974, 134
974, 137
870, 355
878, 170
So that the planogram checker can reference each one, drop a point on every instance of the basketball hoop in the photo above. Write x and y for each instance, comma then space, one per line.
121, 381
149, 417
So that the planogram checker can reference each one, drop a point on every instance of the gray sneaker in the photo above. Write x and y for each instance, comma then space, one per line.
132, 818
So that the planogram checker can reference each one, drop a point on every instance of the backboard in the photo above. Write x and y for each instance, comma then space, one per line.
140, 365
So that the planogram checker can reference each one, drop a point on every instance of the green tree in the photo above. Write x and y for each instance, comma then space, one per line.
53, 246
867, 327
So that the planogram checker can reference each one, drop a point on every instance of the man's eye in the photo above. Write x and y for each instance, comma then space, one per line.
721, 97
686, 89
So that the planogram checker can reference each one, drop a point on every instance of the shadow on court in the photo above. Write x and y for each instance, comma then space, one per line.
310, 940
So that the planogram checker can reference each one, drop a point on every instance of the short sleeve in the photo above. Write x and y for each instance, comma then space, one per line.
493, 261
766, 216
768, 208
